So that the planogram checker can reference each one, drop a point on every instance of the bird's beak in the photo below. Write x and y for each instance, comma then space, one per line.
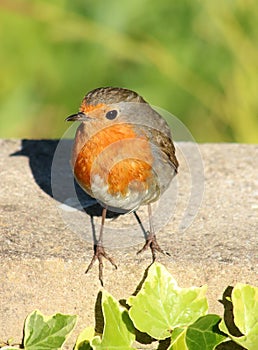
77, 117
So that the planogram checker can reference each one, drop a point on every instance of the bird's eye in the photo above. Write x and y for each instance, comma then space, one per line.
111, 114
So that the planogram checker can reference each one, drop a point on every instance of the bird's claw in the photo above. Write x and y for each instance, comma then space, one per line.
99, 254
151, 242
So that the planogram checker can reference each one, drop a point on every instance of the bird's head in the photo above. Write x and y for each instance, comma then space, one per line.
106, 105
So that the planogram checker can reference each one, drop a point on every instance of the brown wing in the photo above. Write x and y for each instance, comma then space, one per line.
166, 145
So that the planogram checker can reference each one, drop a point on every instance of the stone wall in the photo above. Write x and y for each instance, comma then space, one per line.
210, 230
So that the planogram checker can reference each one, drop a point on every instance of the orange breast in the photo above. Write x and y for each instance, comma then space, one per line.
118, 156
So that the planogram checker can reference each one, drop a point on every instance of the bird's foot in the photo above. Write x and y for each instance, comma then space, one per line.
151, 242
99, 254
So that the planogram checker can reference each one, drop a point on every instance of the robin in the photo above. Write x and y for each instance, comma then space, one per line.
123, 156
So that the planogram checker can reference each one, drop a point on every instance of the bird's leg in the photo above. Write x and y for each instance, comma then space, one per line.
99, 251
151, 240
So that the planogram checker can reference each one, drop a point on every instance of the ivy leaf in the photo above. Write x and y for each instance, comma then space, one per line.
204, 333
47, 332
84, 339
118, 330
178, 339
161, 306
245, 309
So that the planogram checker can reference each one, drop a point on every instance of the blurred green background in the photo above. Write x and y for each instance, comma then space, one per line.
197, 59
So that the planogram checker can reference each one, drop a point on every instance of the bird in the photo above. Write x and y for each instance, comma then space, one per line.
123, 156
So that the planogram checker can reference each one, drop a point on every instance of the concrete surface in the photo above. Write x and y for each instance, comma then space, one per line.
44, 256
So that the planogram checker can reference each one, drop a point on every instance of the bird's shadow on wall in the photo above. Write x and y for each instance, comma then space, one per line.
49, 161
40, 154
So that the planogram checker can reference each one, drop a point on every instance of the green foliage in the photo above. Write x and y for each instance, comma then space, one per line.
83, 340
196, 59
204, 333
162, 310
162, 306
245, 309
118, 330
42, 332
